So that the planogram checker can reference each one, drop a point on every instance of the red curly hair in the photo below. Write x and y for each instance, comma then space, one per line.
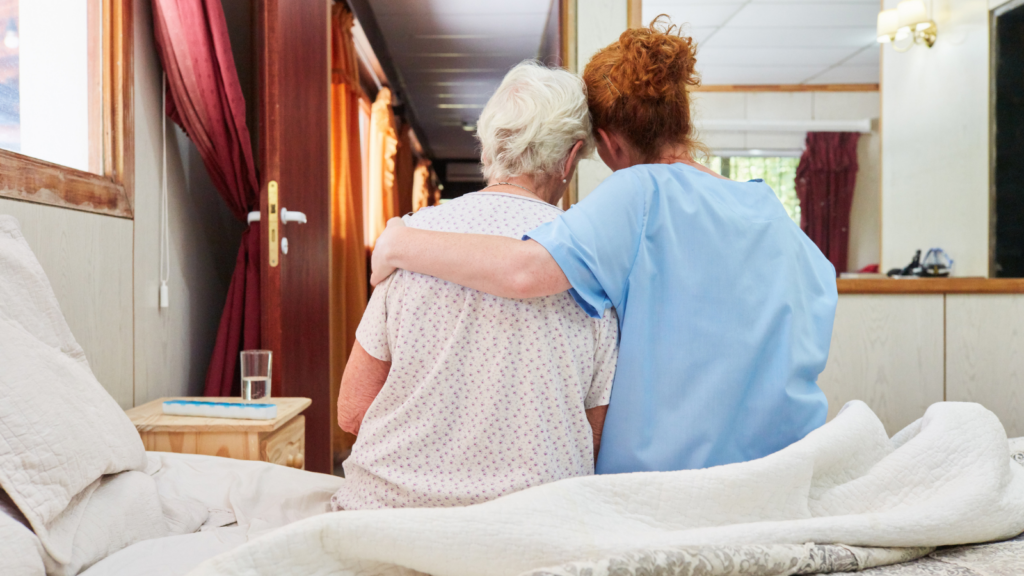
639, 86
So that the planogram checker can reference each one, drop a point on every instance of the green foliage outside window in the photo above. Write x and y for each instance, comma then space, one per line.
777, 172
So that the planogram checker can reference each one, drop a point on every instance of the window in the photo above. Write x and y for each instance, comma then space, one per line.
777, 172
65, 105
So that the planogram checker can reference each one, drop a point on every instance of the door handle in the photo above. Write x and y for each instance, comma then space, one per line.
286, 216
292, 216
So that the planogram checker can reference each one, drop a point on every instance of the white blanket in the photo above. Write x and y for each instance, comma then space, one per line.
946, 479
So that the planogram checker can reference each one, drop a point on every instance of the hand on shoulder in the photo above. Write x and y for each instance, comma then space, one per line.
379, 262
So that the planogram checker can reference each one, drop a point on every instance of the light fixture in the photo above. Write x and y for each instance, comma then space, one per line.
469, 126
888, 23
906, 25
11, 39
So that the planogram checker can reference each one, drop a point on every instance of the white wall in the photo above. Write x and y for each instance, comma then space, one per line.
935, 142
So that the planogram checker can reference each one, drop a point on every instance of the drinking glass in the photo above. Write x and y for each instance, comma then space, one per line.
255, 375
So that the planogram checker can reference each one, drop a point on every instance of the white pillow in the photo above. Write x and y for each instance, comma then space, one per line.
60, 431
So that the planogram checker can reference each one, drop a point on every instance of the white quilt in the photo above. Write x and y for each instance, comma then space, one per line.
946, 479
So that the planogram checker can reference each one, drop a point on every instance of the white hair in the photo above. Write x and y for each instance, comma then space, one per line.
532, 122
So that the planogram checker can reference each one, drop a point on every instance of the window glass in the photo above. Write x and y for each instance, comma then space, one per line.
51, 84
777, 172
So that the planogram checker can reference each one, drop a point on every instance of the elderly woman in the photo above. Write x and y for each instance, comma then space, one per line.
725, 306
459, 397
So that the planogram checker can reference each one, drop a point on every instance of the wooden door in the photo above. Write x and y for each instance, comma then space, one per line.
293, 140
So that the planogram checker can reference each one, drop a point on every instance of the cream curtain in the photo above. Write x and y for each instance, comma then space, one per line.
348, 253
422, 185
382, 193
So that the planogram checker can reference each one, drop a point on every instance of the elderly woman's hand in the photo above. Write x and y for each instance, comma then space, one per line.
382, 268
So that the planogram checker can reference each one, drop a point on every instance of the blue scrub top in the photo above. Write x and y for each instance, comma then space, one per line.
725, 315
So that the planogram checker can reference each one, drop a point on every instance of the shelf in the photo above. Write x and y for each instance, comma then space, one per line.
931, 285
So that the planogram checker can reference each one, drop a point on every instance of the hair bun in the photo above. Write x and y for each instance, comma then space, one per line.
656, 62
639, 86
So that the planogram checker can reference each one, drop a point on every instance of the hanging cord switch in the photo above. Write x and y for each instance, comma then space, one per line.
165, 239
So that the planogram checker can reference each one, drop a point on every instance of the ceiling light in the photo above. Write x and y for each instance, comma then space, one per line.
469, 126
907, 25
458, 106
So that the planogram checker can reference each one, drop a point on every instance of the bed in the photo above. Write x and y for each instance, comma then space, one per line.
79, 494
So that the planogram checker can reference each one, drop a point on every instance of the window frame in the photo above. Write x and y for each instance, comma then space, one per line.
111, 193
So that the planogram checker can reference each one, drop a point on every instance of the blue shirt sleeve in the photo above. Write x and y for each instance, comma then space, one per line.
595, 242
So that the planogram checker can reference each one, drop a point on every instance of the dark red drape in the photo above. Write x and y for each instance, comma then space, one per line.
825, 179
204, 97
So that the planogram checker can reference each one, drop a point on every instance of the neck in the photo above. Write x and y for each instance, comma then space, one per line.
681, 155
548, 192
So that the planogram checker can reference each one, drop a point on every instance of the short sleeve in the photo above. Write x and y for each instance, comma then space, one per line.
606, 355
596, 241
372, 333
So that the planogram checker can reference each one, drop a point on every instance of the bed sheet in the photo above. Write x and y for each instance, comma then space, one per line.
245, 499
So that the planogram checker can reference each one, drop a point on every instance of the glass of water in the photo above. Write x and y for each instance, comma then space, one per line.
255, 375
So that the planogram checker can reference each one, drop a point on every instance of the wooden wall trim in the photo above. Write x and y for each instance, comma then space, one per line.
787, 88
113, 192
567, 22
634, 13
32, 180
931, 286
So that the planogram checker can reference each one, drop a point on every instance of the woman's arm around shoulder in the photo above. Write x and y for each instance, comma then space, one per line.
497, 265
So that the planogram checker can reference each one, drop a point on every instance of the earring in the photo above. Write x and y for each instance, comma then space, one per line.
563, 180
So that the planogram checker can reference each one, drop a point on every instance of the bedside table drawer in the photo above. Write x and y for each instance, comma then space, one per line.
286, 446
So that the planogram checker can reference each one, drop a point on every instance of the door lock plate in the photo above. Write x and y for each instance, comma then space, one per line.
272, 219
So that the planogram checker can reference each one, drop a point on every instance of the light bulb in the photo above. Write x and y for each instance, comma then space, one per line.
888, 22
11, 39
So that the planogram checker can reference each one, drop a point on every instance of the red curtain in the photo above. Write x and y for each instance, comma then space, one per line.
204, 97
825, 179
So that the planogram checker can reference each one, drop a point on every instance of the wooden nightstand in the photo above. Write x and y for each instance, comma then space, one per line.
280, 441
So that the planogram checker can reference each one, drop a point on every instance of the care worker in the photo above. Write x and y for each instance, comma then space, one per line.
725, 306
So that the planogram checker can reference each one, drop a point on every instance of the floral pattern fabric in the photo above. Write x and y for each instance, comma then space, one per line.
766, 560
486, 396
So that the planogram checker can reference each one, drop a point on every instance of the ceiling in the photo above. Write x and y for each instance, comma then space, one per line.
452, 54
779, 41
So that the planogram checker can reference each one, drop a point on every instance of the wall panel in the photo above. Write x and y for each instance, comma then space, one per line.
985, 354
887, 350
88, 259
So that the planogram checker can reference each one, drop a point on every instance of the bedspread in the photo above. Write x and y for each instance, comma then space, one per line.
946, 479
